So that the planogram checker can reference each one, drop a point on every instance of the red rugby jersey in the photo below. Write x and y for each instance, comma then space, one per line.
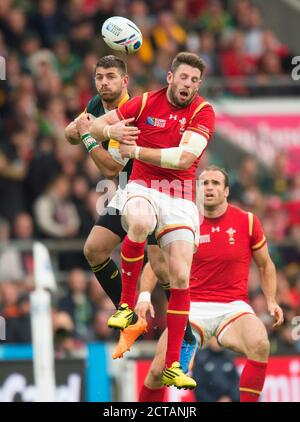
162, 126
221, 264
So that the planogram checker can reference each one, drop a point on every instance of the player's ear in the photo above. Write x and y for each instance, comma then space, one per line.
125, 80
226, 192
169, 77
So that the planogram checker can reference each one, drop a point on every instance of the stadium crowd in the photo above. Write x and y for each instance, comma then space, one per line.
48, 187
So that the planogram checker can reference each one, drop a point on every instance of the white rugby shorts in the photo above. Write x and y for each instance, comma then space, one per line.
176, 218
210, 319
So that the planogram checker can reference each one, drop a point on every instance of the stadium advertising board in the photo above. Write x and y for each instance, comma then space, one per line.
262, 128
282, 381
16, 381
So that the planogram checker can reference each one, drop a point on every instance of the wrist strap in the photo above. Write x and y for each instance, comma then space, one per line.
89, 142
106, 132
137, 153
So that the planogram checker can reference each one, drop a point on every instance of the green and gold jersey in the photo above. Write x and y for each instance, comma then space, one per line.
95, 107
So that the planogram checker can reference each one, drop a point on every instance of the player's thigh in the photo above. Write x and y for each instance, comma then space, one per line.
245, 334
101, 242
153, 378
158, 263
179, 255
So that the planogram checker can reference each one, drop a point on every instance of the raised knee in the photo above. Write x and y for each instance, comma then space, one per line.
139, 229
94, 255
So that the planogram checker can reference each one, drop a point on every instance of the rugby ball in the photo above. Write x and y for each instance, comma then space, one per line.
122, 34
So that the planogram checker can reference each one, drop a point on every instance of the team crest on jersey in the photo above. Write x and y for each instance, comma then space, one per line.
153, 121
182, 125
231, 233
205, 238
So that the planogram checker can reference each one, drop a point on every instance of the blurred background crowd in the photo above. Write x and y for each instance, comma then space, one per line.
48, 187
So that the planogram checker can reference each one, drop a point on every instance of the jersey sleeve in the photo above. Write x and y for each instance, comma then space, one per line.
203, 122
89, 107
94, 105
130, 109
258, 239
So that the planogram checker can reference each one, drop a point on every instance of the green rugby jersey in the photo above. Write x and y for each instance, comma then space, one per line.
95, 107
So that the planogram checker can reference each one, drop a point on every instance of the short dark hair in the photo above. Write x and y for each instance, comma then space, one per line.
112, 61
213, 167
190, 59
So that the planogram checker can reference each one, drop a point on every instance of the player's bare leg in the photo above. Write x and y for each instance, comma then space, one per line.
248, 335
158, 264
99, 245
179, 255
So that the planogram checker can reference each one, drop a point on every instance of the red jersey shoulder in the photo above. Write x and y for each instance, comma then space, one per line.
131, 108
136, 106
251, 224
203, 118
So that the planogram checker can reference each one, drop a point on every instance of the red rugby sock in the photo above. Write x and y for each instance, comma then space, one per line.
252, 380
152, 394
177, 317
132, 254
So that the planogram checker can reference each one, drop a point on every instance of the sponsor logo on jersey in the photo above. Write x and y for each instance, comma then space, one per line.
173, 117
215, 229
153, 121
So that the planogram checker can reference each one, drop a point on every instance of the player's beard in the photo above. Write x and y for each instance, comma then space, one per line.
109, 96
176, 101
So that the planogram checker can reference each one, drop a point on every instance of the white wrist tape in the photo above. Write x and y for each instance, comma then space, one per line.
137, 153
144, 297
170, 158
191, 142
106, 132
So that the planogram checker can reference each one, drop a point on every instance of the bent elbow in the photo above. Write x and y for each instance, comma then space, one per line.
185, 164
186, 160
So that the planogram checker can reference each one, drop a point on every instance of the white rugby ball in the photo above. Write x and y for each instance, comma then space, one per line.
122, 34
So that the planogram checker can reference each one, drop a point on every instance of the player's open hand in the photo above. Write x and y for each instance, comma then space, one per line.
125, 134
142, 309
277, 313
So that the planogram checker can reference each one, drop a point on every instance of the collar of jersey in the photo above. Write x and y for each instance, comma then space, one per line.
123, 100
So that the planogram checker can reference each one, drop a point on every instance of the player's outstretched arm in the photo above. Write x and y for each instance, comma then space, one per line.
268, 282
182, 157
